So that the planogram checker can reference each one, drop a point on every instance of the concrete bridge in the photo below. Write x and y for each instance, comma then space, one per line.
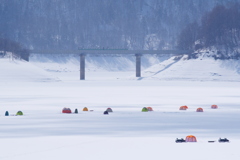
138, 53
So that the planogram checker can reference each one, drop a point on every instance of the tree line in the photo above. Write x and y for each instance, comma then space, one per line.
61, 24
219, 29
7, 45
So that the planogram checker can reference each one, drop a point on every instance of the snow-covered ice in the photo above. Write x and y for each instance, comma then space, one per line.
42, 90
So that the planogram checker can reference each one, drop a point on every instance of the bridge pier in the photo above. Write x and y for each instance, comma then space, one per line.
82, 66
138, 64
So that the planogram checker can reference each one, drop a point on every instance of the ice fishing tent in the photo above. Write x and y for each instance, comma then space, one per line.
199, 110
109, 110
76, 111
85, 109
105, 112
183, 108
149, 108
144, 109
19, 113
6, 113
214, 106
191, 138
66, 110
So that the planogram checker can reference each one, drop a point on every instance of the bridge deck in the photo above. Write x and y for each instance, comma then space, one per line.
110, 51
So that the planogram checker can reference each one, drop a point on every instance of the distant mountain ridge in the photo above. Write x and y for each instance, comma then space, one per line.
132, 24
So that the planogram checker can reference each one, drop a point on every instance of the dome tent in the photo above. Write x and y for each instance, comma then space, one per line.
149, 108
66, 110
191, 138
109, 110
199, 110
183, 108
19, 113
105, 112
214, 106
85, 109
144, 109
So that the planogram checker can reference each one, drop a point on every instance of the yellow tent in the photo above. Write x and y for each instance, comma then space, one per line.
85, 109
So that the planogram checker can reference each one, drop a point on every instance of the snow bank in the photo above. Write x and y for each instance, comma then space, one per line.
19, 71
200, 69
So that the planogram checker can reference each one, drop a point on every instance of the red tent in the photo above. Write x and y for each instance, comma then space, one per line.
214, 106
149, 108
199, 110
66, 110
183, 108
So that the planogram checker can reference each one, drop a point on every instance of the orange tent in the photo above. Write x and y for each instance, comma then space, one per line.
183, 108
191, 138
214, 106
85, 109
199, 110
149, 108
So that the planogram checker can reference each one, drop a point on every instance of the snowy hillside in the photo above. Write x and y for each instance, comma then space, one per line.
22, 71
164, 68
200, 69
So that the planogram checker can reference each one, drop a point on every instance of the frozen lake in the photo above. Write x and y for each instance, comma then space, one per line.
43, 132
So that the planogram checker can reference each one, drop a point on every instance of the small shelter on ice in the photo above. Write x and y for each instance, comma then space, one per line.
105, 112
199, 110
191, 138
144, 109
66, 110
6, 113
149, 108
183, 108
19, 113
85, 109
214, 106
109, 110
76, 111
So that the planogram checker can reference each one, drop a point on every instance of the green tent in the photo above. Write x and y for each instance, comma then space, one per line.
144, 109
19, 113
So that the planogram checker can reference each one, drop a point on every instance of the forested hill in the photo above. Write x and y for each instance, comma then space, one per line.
132, 24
